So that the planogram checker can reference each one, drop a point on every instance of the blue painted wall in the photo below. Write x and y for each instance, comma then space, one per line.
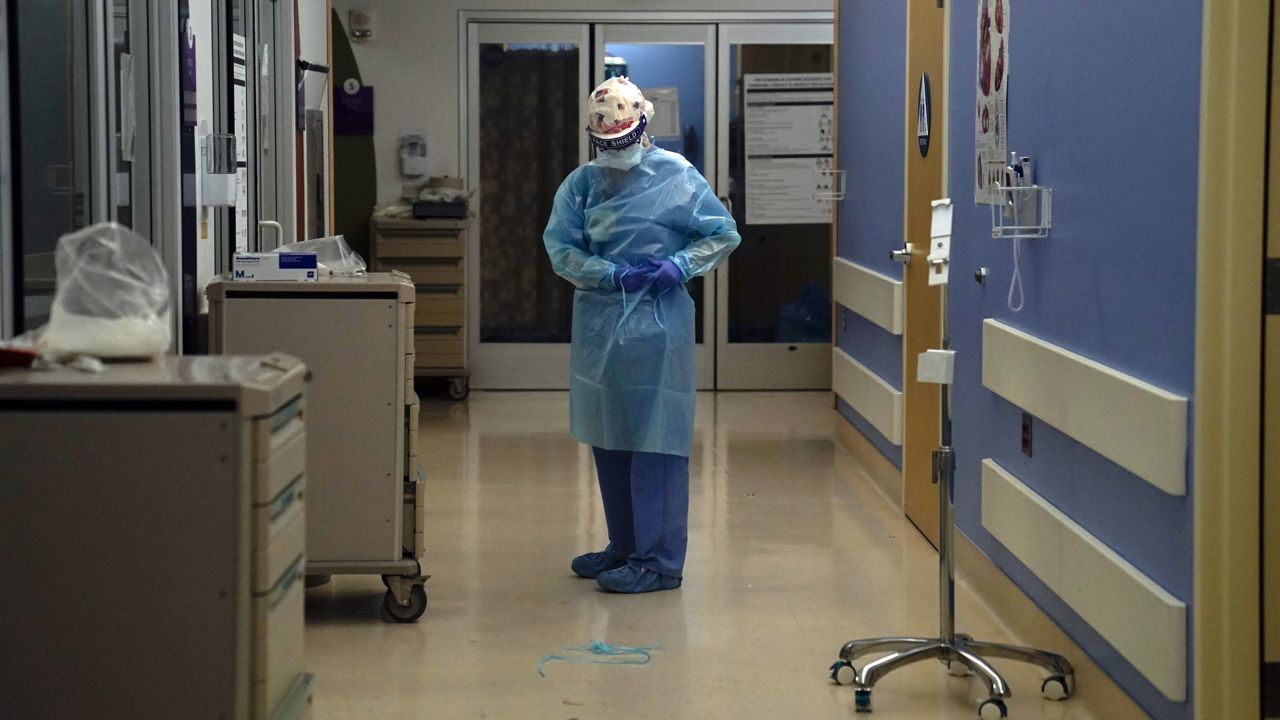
681, 66
872, 77
1106, 100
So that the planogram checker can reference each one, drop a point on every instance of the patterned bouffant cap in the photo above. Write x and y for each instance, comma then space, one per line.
617, 114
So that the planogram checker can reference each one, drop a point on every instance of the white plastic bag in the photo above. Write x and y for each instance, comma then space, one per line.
112, 298
332, 253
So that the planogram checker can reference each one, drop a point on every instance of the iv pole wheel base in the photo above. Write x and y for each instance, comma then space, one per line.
1055, 687
993, 709
843, 672
862, 700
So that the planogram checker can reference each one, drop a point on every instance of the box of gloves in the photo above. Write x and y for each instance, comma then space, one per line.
299, 266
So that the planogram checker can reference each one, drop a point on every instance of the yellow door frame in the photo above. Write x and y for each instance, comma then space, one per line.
1227, 438
1271, 397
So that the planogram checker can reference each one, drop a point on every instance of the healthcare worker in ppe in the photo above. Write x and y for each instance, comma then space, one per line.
629, 229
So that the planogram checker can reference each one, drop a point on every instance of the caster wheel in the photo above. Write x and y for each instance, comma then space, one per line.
993, 709
958, 669
1055, 688
459, 388
843, 672
862, 700
406, 613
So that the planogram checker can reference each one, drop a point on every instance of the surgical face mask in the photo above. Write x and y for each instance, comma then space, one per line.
624, 159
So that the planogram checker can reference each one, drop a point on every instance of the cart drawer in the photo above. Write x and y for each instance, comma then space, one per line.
433, 271
283, 467
411, 467
430, 317
271, 519
267, 606
273, 560
270, 433
407, 527
438, 340
411, 432
414, 515
394, 245
410, 311
278, 657
439, 298
407, 319
439, 361
297, 703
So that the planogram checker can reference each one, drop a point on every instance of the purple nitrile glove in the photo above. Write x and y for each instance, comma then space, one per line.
632, 279
665, 274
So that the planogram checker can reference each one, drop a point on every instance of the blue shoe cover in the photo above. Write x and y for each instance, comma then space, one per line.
631, 579
594, 563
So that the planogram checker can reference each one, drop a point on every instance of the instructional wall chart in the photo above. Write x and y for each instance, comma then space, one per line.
992, 122
790, 147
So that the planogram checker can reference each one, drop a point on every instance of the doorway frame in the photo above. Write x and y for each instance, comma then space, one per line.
518, 364
755, 366
7, 288
1226, 622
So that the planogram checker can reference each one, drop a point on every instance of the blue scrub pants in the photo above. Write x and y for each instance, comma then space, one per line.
646, 506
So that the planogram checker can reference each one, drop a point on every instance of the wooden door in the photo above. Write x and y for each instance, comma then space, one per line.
926, 34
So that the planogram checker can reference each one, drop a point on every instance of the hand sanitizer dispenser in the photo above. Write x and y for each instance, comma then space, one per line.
413, 155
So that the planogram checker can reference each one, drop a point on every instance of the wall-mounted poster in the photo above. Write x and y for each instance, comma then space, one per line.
790, 144
993, 88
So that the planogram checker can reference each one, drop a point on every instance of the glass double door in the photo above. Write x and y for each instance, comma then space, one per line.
722, 99
79, 142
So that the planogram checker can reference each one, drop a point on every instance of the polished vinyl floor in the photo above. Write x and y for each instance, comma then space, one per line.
792, 551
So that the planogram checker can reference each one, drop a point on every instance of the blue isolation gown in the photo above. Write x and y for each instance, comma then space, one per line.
632, 367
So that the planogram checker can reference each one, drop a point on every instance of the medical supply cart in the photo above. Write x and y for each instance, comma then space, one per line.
151, 533
433, 253
356, 336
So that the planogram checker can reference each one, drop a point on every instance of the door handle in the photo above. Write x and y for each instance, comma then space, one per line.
903, 256
274, 226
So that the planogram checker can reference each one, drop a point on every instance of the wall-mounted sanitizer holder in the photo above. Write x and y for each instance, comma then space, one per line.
1026, 212
413, 154
219, 185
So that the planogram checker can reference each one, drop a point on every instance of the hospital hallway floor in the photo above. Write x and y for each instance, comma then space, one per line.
792, 552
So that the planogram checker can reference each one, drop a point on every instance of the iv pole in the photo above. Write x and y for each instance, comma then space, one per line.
960, 653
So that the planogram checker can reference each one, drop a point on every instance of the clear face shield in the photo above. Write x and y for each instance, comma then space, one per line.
622, 153
623, 159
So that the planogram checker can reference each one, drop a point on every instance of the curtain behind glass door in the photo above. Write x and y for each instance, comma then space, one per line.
530, 127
